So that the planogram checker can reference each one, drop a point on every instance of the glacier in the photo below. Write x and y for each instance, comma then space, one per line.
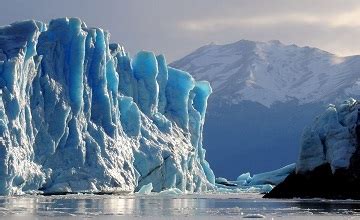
332, 138
329, 158
78, 114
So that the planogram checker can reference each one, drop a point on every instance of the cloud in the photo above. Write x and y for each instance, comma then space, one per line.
347, 19
176, 28
214, 24
343, 19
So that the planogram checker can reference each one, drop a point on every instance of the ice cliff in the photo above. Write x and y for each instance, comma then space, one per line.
329, 160
77, 114
332, 138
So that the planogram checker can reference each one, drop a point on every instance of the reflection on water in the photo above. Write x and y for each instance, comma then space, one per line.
135, 206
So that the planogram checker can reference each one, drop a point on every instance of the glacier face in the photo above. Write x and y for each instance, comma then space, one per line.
77, 114
331, 139
328, 164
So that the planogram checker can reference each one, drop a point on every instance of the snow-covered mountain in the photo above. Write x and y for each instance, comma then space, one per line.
264, 93
269, 72
77, 114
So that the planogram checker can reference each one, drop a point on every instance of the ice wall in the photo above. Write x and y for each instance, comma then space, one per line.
77, 114
332, 138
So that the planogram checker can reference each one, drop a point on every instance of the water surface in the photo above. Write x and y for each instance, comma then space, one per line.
195, 206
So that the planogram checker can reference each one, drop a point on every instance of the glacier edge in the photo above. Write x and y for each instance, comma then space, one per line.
77, 114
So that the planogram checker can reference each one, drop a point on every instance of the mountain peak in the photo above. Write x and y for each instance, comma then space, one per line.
270, 72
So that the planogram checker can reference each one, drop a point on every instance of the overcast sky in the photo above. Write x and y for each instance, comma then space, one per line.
176, 28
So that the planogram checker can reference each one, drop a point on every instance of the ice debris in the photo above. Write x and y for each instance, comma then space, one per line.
172, 191
261, 183
146, 189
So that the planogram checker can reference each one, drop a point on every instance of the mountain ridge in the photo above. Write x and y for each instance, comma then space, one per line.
267, 72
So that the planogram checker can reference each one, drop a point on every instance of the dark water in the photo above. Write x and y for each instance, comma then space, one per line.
209, 206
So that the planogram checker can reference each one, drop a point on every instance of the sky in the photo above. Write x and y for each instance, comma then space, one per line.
176, 28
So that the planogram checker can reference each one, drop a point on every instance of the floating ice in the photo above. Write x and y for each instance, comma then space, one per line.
78, 114
259, 183
244, 189
223, 181
146, 189
254, 216
266, 188
273, 177
244, 178
172, 191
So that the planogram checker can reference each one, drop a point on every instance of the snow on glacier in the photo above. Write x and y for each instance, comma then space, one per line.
332, 138
77, 114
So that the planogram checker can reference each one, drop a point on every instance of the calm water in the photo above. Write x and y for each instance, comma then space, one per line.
208, 206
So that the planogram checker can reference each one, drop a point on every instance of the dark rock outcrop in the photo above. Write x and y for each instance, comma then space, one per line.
319, 183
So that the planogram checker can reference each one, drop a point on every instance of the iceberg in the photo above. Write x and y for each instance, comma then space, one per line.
78, 114
224, 182
258, 183
146, 189
244, 178
272, 177
262, 189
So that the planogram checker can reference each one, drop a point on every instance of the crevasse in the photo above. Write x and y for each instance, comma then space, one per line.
77, 114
